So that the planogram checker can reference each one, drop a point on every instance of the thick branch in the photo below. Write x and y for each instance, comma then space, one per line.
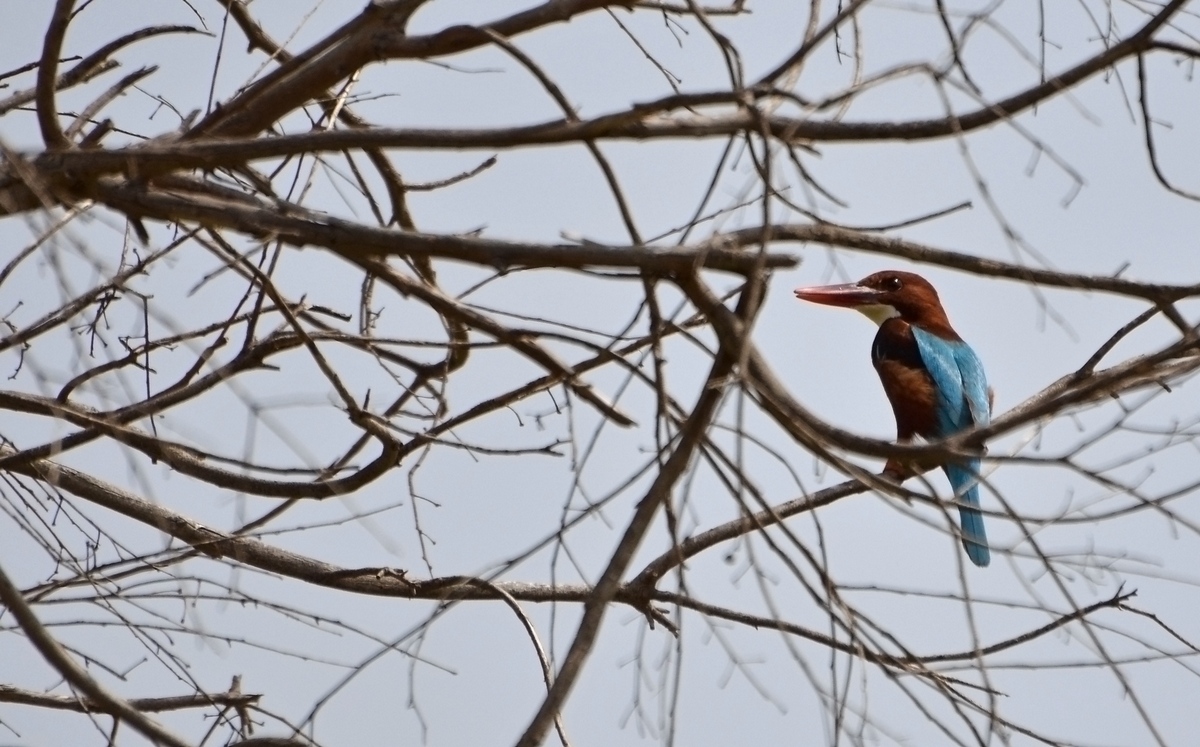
9, 694
301, 227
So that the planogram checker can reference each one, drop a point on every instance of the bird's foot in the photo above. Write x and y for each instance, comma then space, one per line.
894, 470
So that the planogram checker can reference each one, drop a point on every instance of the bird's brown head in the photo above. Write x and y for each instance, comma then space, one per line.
882, 296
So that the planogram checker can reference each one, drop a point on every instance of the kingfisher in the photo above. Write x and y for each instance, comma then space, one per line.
933, 379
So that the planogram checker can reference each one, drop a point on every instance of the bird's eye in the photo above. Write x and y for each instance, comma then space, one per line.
892, 284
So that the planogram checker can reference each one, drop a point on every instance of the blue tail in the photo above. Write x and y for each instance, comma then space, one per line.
964, 480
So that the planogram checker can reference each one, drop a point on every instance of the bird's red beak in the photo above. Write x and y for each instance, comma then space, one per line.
849, 295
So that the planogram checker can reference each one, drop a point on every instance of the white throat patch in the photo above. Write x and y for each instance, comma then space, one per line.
878, 313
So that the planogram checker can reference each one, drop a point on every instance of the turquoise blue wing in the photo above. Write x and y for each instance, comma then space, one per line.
962, 401
974, 383
957, 374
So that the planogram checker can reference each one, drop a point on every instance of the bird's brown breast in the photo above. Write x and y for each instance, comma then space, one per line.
906, 383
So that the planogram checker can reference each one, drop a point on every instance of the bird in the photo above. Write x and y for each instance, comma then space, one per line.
932, 378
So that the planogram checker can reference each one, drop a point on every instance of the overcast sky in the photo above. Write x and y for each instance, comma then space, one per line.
1088, 203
